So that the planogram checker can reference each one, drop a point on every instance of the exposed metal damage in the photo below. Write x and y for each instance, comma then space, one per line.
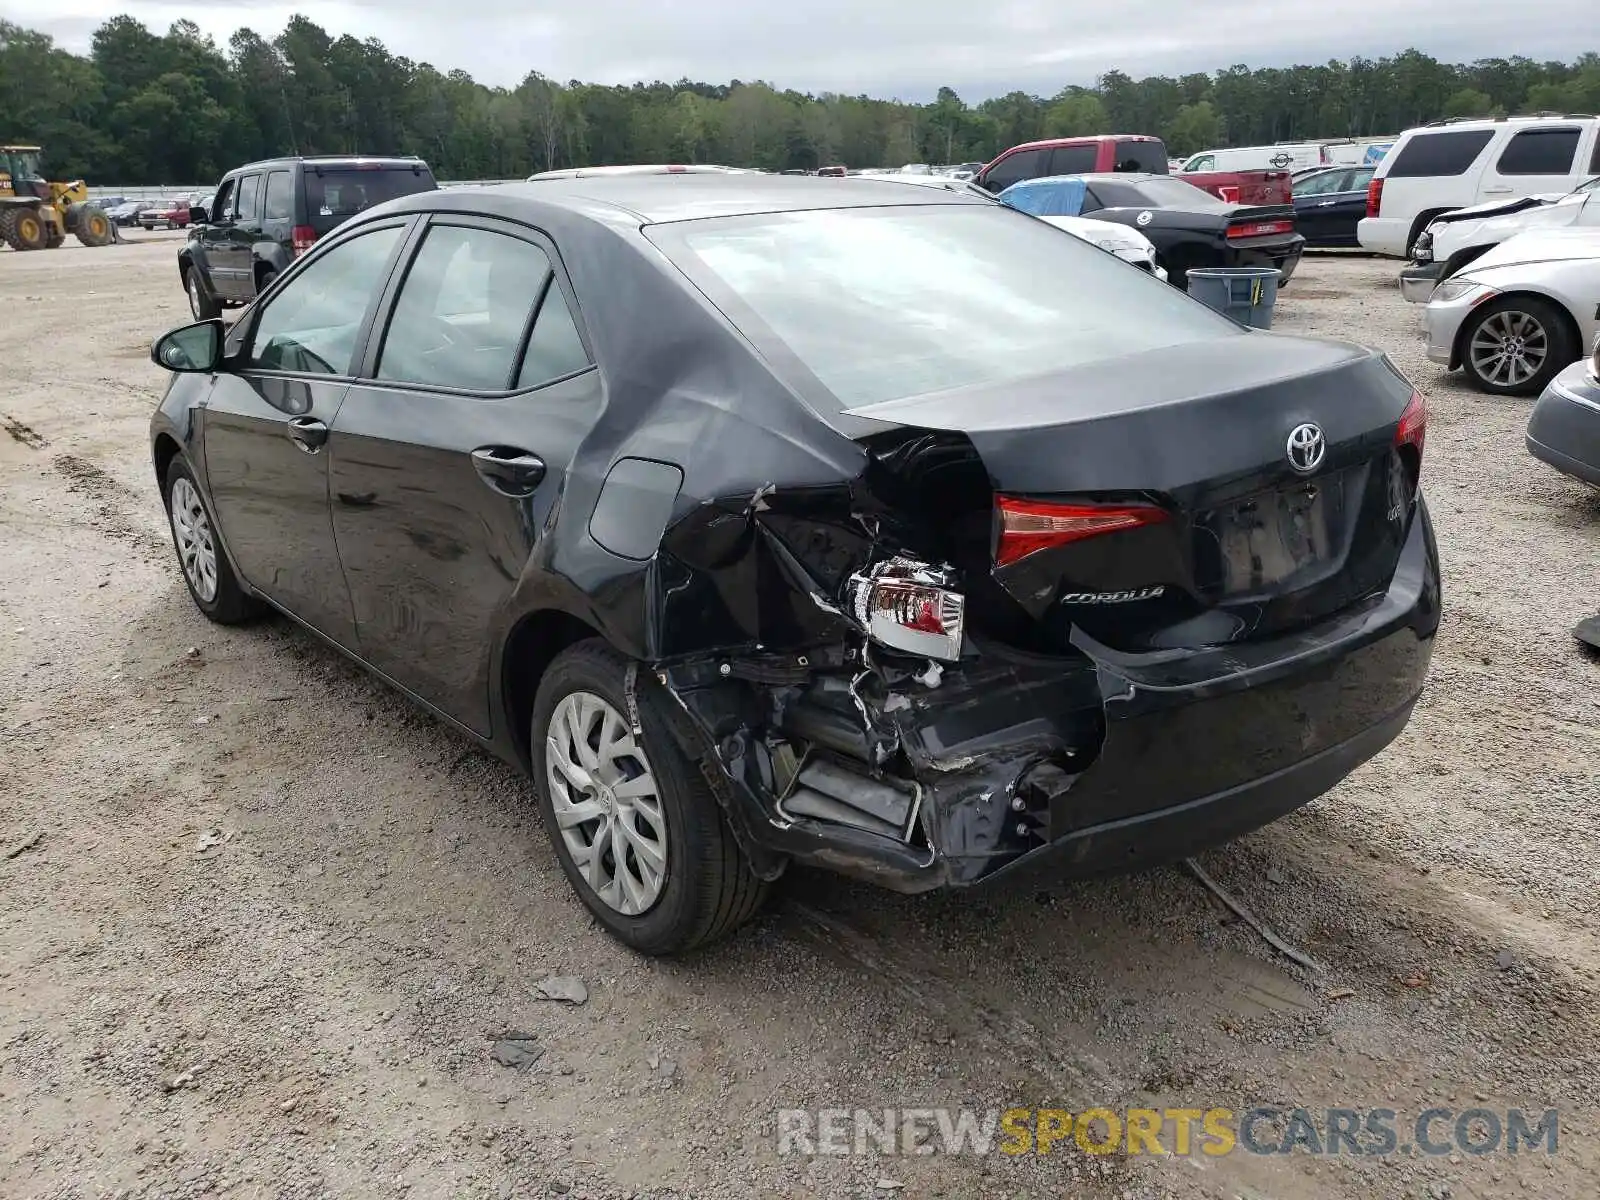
861, 731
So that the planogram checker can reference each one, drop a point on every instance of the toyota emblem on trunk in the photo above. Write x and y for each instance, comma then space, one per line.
1307, 447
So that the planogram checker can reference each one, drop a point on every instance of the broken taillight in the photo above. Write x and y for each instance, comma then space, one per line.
302, 238
911, 607
1030, 525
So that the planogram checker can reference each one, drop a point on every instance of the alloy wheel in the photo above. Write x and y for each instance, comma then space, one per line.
606, 804
194, 294
197, 549
1509, 348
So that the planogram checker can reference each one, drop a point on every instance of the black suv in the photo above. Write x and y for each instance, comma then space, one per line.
267, 214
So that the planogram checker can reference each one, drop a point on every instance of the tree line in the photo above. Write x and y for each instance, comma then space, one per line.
148, 108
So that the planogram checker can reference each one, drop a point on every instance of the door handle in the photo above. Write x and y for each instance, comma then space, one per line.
508, 470
308, 433
1505, 191
1327, 204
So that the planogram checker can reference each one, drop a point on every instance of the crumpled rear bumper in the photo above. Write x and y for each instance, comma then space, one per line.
1124, 761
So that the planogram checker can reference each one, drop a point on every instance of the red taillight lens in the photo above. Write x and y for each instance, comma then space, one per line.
1029, 525
1413, 427
1250, 229
1374, 197
302, 238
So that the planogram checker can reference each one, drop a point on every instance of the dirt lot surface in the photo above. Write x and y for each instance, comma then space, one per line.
265, 919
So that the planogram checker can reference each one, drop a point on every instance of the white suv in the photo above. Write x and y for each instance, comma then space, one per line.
1457, 163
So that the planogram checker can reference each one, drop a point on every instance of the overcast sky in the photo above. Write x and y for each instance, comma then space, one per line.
900, 48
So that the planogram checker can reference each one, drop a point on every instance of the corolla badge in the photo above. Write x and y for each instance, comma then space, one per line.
1307, 448
1128, 597
1145, 217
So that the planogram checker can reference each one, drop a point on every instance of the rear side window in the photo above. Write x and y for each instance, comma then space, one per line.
280, 196
463, 309
1445, 153
555, 349
1148, 157
337, 194
1539, 152
860, 299
249, 197
1594, 159
1074, 160
1024, 164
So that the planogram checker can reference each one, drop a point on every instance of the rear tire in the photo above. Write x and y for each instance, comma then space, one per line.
706, 888
26, 229
205, 568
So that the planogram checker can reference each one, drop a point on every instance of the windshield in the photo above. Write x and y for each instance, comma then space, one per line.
335, 195
862, 300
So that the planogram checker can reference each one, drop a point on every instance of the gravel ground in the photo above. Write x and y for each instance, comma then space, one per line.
269, 919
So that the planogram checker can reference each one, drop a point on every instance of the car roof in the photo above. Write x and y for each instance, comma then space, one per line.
657, 199
1050, 143
334, 160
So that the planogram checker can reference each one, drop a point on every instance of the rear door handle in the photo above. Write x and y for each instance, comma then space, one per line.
308, 433
1505, 191
508, 470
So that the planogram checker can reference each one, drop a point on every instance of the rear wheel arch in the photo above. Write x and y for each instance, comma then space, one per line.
530, 648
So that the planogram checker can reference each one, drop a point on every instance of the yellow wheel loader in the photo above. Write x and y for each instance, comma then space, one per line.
37, 215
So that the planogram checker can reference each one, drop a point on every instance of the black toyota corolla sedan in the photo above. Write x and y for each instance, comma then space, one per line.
769, 519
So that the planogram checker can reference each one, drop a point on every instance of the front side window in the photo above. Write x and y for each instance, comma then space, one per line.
1024, 164
463, 309
221, 203
1539, 152
312, 323
861, 298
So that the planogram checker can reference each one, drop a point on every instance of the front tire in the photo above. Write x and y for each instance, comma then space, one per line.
94, 227
210, 579
1515, 346
636, 828
202, 303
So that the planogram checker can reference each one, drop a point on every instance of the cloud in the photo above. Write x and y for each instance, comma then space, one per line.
901, 48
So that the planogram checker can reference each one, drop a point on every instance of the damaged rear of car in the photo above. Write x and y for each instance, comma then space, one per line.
1107, 580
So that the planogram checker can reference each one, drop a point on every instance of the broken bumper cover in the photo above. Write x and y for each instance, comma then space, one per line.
1130, 761
1417, 282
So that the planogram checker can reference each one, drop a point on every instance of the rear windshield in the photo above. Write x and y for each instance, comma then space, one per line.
335, 195
1155, 193
1438, 153
877, 304
1149, 157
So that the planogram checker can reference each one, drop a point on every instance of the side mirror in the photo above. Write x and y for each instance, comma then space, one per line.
192, 348
198, 215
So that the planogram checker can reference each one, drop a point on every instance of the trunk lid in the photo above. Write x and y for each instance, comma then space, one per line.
1246, 545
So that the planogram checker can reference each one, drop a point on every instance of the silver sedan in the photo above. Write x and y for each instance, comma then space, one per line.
1521, 313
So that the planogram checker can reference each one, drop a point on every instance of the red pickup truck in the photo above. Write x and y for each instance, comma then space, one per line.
1127, 152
